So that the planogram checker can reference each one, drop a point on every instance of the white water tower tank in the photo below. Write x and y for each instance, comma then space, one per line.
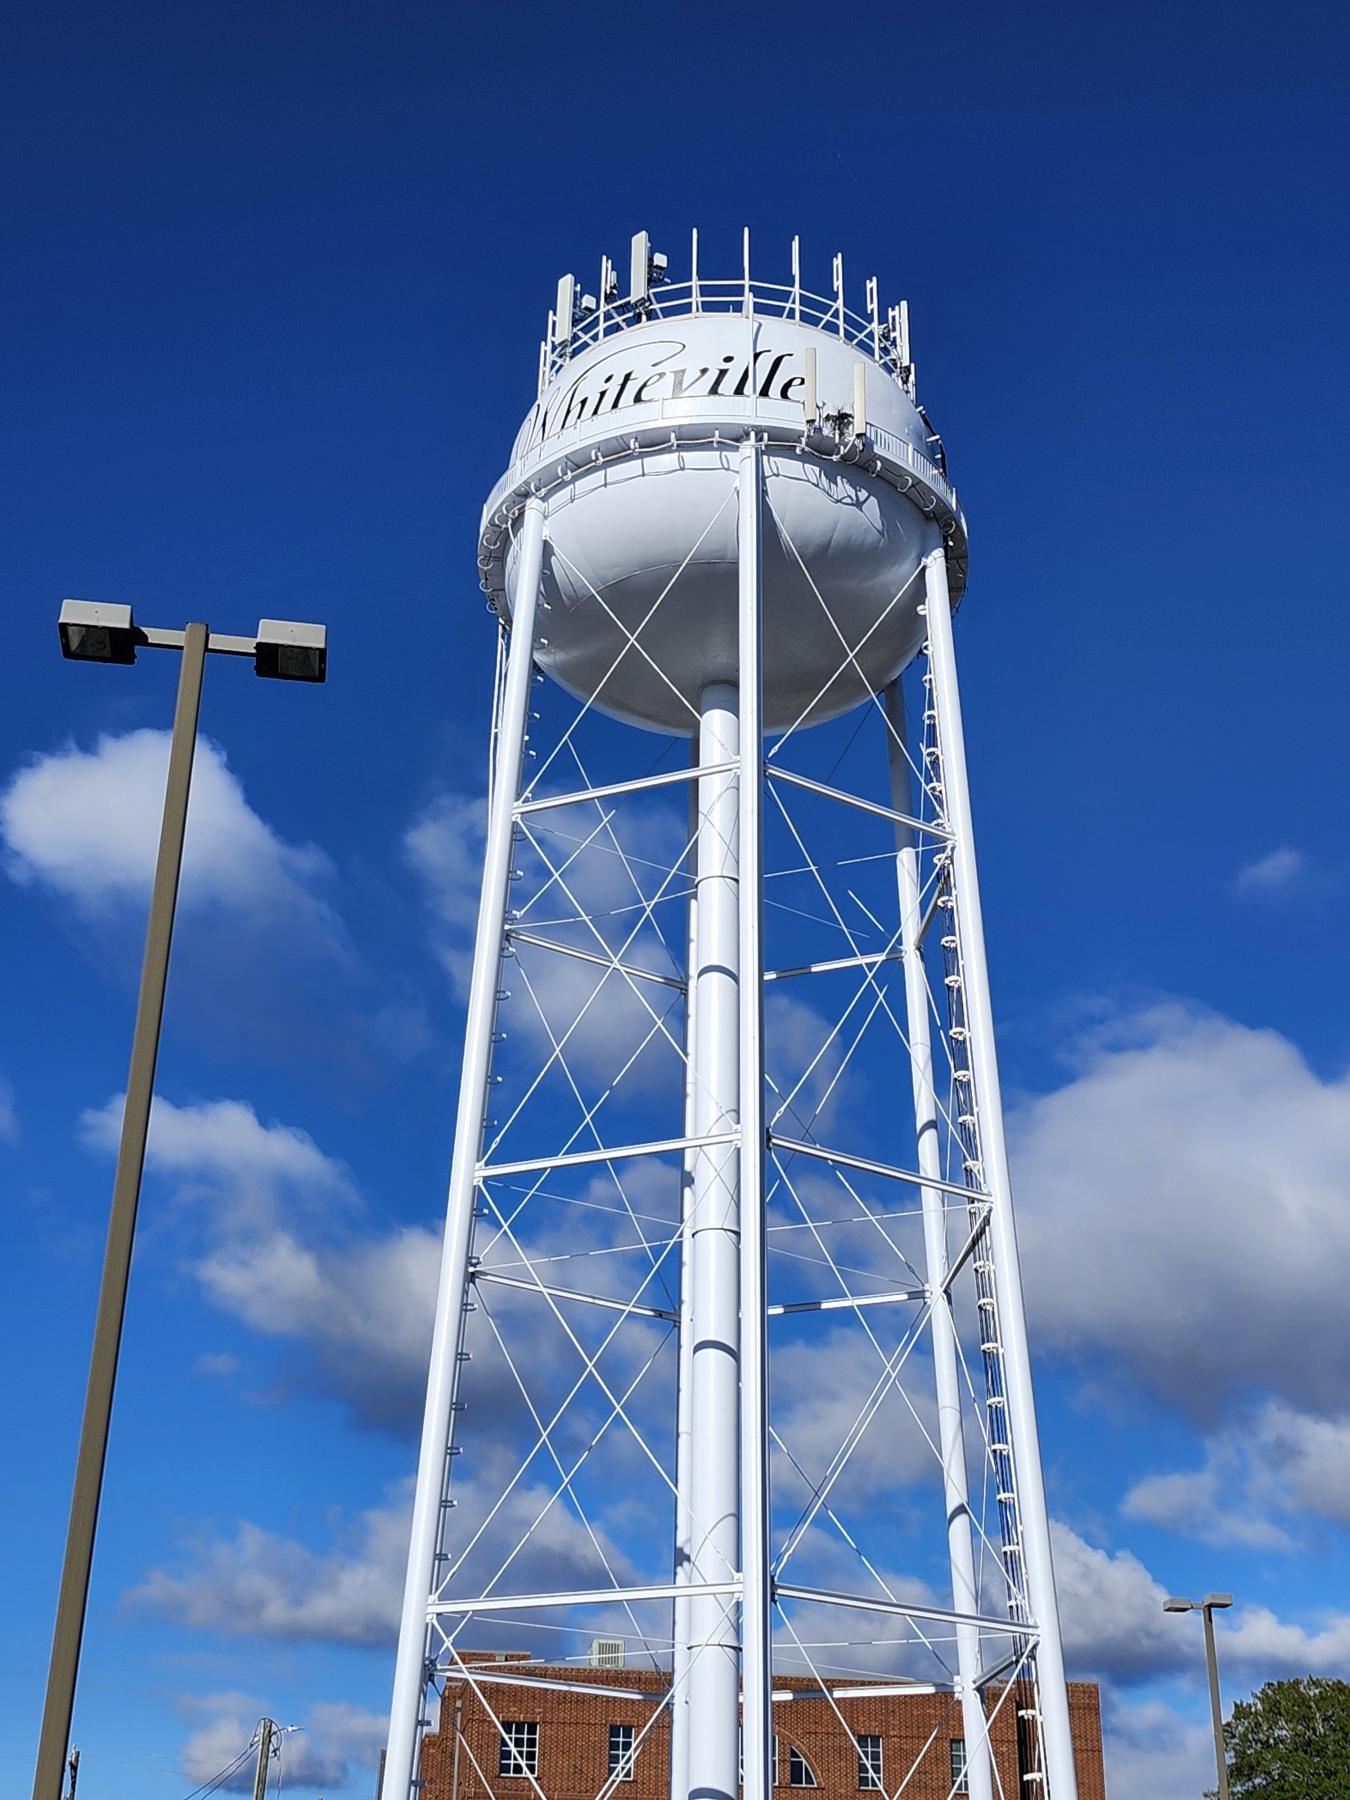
632, 444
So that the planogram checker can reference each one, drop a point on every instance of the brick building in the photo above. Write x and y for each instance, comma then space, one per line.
575, 1743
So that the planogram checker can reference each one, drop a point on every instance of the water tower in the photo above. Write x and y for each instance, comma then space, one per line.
730, 1367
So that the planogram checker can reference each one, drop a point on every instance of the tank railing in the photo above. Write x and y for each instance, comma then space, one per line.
751, 299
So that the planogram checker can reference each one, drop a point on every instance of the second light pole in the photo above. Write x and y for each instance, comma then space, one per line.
1209, 1606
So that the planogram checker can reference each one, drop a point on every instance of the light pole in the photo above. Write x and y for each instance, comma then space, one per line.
1211, 1604
92, 631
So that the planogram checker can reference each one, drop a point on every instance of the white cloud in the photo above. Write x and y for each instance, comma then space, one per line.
1264, 1469
1114, 1626
1153, 1753
224, 1142
1271, 874
320, 1752
1111, 1612
362, 1309
86, 823
261, 1584
270, 1222
1181, 1203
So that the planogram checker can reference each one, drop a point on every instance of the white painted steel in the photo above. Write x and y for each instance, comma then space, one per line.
942, 1329
679, 1673
756, 1608
410, 1667
619, 534
1061, 1779
714, 1674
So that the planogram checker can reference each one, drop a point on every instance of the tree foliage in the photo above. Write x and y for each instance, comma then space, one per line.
1291, 1741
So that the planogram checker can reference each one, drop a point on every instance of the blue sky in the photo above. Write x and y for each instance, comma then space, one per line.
274, 285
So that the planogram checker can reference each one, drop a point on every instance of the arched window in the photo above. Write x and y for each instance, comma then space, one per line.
800, 1772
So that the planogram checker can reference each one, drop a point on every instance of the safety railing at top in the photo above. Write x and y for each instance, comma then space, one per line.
747, 298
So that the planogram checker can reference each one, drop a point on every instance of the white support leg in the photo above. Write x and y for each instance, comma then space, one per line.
756, 1633
679, 1670
1061, 1780
714, 1675
401, 1772
951, 1432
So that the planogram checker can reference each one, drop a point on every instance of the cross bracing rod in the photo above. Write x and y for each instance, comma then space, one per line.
904, 1609
776, 772
562, 1293
575, 1158
967, 1250
639, 785
867, 1166
664, 1590
517, 936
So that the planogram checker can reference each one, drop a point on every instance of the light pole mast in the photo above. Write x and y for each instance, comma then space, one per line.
96, 632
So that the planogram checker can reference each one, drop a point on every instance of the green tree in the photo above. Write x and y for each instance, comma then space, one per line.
1291, 1741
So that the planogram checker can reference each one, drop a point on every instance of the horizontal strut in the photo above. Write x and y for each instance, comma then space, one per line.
575, 1158
867, 1167
665, 1590
517, 936
905, 1610
845, 799
638, 785
562, 1293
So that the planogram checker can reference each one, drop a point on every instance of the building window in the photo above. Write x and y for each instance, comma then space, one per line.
621, 1752
960, 1783
800, 1772
518, 1753
869, 1761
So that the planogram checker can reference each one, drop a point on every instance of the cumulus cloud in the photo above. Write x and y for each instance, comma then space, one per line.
224, 1142
263, 1584
319, 1752
1262, 1473
1153, 1752
272, 1229
86, 823
1189, 1176
260, 1583
1274, 873
1115, 1629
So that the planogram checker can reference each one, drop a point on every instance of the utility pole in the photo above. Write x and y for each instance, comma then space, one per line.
266, 1733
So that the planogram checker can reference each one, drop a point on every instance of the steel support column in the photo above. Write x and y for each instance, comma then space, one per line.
679, 1662
942, 1328
756, 1634
1061, 1781
401, 1772
714, 1676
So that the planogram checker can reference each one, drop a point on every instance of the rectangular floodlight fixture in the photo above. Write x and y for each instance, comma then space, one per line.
289, 651
95, 631
1178, 1605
